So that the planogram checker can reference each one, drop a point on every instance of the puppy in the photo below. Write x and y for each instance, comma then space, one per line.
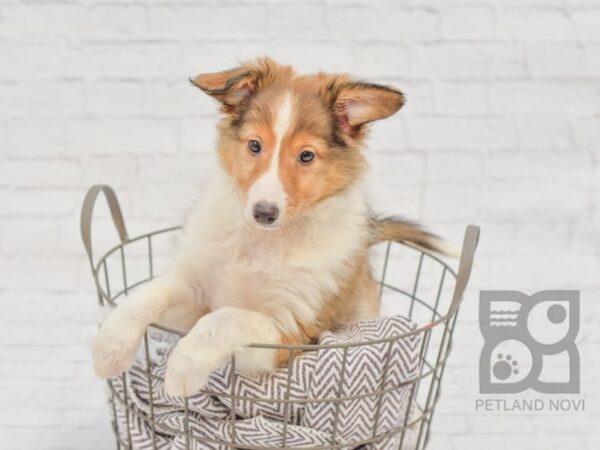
277, 250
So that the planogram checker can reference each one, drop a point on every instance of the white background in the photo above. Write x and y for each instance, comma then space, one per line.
501, 129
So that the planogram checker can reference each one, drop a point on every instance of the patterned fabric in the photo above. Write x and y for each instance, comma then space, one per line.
318, 379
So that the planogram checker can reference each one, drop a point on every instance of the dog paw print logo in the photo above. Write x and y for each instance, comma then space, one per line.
529, 342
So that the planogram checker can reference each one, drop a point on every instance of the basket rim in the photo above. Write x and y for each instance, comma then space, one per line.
287, 347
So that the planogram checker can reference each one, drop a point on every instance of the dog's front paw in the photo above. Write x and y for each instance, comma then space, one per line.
114, 351
188, 369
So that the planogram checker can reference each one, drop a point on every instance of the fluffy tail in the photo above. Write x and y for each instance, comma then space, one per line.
397, 229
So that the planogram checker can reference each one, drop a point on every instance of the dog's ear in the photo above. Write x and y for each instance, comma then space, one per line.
235, 86
358, 103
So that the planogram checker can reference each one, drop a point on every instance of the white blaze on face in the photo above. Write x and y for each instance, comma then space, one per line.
268, 187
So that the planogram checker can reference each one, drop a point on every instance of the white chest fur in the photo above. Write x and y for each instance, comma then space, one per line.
284, 273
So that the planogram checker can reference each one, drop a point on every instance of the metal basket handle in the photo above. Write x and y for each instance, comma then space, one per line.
464, 268
87, 210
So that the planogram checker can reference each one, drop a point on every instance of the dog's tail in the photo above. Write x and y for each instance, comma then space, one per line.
398, 229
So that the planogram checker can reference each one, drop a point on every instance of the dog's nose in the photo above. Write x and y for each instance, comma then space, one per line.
265, 213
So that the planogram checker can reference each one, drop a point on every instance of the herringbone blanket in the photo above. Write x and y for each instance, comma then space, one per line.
317, 378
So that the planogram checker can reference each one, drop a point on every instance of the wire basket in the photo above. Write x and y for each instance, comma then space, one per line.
413, 282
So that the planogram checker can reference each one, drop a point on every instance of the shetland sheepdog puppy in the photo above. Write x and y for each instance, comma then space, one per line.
277, 251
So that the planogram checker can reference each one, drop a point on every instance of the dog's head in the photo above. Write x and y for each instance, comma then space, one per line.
290, 141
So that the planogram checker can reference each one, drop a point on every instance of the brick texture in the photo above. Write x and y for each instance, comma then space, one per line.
501, 129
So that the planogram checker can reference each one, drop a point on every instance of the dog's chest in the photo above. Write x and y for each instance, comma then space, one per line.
242, 276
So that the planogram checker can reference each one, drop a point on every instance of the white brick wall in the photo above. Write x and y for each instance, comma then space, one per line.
502, 129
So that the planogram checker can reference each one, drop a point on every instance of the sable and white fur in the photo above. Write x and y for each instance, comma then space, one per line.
234, 281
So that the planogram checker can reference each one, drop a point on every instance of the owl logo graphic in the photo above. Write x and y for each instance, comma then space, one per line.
529, 342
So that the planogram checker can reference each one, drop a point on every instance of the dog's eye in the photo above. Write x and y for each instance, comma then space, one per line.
254, 146
306, 156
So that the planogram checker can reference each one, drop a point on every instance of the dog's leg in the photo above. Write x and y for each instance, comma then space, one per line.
213, 340
121, 332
